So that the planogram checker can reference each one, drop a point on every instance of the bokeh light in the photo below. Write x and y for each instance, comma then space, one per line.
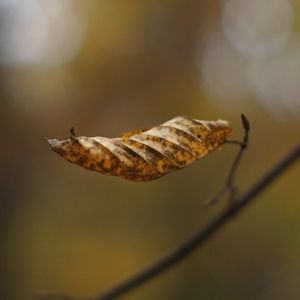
223, 70
258, 27
256, 53
40, 33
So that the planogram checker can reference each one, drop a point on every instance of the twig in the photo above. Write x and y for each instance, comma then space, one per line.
177, 255
243, 146
229, 186
186, 248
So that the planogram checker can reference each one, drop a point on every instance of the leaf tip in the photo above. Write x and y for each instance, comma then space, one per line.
52, 142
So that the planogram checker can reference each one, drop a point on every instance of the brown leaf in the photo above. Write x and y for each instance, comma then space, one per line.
145, 155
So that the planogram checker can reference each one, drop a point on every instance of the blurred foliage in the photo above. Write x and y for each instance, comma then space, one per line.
66, 229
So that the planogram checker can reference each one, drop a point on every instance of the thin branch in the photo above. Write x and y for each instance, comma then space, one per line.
186, 248
178, 254
229, 186
243, 146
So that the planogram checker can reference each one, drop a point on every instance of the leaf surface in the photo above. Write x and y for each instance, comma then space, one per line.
143, 155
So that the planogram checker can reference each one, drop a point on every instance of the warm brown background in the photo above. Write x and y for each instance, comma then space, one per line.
110, 66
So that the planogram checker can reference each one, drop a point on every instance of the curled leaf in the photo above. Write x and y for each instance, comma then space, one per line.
145, 155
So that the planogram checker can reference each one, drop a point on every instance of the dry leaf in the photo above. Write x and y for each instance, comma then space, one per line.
145, 155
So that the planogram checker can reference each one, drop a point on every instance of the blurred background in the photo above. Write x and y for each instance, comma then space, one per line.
106, 67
